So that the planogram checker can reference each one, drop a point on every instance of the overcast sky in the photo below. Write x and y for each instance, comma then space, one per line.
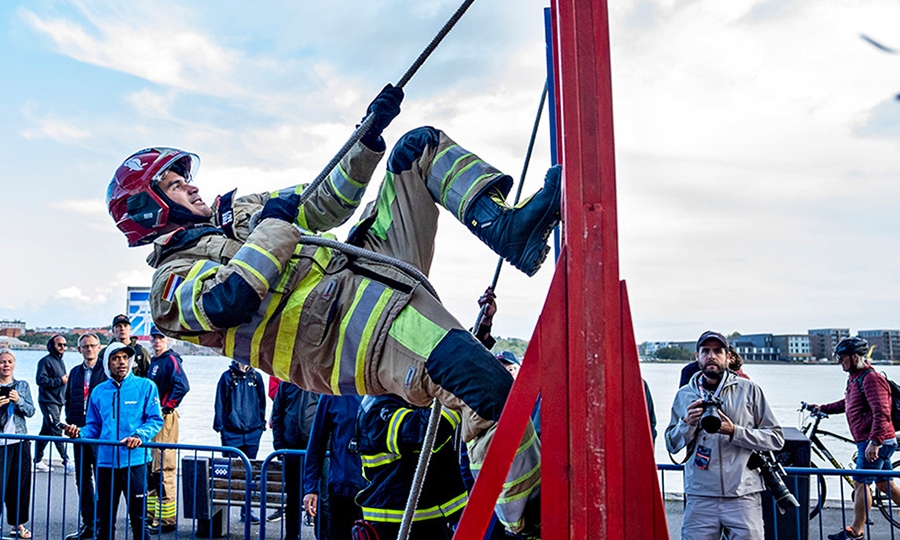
756, 141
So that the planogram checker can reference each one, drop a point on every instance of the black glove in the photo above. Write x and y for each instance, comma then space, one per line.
283, 208
385, 107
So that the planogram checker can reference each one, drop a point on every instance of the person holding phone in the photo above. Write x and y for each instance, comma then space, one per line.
15, 456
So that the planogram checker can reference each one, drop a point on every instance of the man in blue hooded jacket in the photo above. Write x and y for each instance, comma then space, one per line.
125, 408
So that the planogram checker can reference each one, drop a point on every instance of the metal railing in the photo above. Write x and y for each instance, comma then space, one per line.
208, 483
822, 516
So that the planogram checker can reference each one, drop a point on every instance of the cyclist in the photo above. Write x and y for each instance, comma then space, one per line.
867, 403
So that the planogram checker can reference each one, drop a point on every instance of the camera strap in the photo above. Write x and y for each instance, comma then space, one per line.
691, 446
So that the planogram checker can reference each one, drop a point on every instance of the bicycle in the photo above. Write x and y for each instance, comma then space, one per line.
813, 432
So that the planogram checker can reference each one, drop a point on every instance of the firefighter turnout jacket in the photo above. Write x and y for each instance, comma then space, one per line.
391, 433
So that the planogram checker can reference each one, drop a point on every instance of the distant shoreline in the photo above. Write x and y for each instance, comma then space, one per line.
770, 363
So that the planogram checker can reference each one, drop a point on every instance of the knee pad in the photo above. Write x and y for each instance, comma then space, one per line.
410, 147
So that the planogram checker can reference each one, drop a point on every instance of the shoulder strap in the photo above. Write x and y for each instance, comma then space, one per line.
859, 380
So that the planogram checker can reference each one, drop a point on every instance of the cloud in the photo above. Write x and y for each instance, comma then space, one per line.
135, 40
55, 129
75, 293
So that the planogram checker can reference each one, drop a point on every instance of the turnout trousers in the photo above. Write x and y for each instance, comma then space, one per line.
162, 500
428, 353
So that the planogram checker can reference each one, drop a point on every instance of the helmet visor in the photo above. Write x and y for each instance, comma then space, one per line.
183, 164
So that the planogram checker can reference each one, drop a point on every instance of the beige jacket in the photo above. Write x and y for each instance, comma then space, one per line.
321, 320
755, 428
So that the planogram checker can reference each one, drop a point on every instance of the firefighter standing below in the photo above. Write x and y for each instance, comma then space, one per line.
391, 436
330, 323
172, 382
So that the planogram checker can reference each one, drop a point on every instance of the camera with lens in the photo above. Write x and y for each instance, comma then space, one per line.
772, 473
709, 420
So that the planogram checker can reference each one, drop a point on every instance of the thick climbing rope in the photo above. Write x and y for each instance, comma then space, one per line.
534, 130
431, 431
349, 249
367, 121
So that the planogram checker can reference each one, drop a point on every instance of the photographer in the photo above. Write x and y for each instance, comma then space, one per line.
721, 491
867, 402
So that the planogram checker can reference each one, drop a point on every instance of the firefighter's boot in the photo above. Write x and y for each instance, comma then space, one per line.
518, 234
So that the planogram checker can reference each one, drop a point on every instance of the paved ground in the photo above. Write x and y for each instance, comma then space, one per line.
831, 521
54, 495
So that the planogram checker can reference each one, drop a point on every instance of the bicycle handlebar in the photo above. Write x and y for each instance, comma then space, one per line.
813, 411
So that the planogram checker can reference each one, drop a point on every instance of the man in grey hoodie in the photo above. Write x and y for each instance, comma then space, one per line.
720, 490
51, 378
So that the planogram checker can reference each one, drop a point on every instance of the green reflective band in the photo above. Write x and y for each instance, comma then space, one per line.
519, 496
386, 197
416, 332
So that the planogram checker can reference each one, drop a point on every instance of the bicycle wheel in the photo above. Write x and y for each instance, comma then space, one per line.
889, 509
817, 495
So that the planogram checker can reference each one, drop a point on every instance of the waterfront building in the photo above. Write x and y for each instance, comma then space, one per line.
792, 347
823, 341
886, 342
12, 328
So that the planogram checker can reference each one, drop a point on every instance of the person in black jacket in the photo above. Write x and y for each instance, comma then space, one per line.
240, 417
51, 379
292, 416
334, 431
83, 378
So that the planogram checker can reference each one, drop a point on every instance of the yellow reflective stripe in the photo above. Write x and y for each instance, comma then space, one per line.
301, 220
518, 496
266, 254
378, 460
452, 416
190, 339
256, 273
453, 505
534, 470
322, 256
199, 265
386, 196
393, 430
196, 285
336, 367
448, 187
260, 331
286, 337
387, 515
522, 447
229, 342
465, 196
416, 332
360, 374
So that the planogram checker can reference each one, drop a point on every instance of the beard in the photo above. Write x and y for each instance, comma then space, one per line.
713, 373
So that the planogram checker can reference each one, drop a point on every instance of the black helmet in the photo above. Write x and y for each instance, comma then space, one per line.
853, 345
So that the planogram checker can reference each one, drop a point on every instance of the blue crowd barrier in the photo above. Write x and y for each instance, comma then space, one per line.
54, 507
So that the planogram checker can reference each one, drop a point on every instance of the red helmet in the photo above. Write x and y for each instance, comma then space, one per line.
139, 210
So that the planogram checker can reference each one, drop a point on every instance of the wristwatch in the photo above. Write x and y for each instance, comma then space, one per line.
875, 443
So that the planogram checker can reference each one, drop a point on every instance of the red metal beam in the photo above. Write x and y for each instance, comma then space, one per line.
583, 356
545, 340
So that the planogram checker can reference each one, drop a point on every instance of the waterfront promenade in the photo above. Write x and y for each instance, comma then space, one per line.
55, 514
